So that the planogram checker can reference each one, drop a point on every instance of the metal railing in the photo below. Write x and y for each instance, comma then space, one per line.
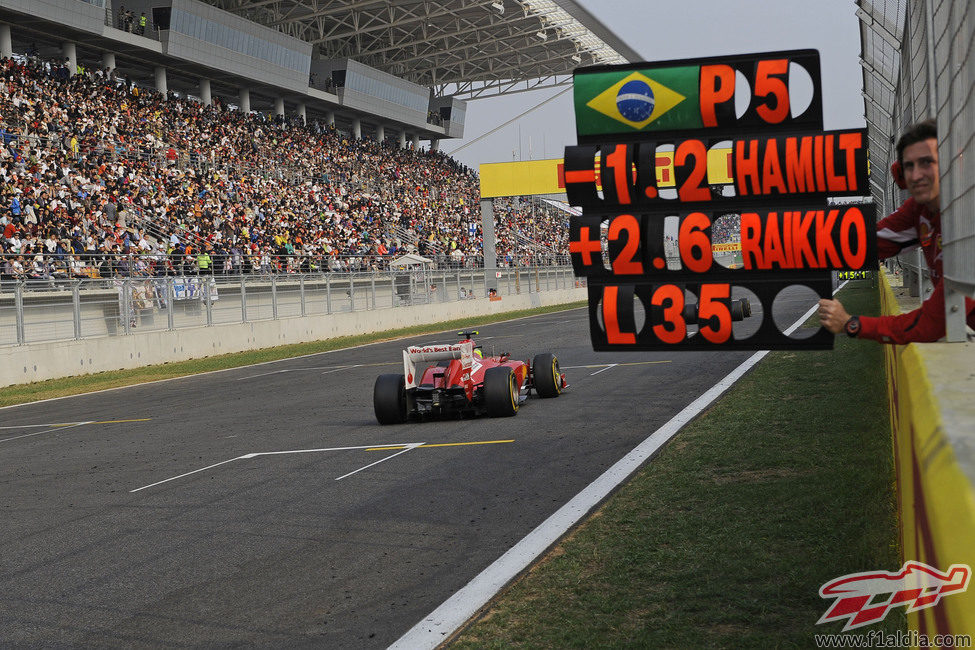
128, 21
74, 309
916, 276
50, 269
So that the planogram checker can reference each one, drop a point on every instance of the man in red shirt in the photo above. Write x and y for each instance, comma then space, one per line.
916, 222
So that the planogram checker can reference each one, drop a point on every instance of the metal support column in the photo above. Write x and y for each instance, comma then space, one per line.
170, 311
490, 244
19, 313
243, 299
76, 309
209, 300
6, 43
274, 297
125, 308
956, 327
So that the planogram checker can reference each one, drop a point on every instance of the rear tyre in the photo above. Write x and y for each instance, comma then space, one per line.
501, 392
740, 309
389, 399
545, 372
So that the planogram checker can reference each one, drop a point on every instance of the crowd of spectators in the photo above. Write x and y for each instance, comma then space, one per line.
726, 229
101, 176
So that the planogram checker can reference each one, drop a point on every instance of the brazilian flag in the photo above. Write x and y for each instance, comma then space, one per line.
629, 100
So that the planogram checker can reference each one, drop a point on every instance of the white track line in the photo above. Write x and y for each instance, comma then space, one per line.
459, 608
328, 372
38, 426
612, 365
287, 370
408, 445
173, 478
56, 427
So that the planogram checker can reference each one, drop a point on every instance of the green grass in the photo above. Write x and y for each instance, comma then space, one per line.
724, 538
21, 393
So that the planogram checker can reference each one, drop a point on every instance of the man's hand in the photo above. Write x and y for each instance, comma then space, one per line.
832, 315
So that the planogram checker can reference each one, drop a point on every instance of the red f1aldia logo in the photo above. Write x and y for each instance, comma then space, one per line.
916, 585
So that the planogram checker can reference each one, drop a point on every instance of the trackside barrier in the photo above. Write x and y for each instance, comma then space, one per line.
930, 387
136, 347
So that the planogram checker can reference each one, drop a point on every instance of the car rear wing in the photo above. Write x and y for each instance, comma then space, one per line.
440, 352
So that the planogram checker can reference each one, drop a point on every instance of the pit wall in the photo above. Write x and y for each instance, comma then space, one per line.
932, 411
40, 361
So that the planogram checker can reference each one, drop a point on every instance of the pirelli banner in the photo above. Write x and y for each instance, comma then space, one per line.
709, 189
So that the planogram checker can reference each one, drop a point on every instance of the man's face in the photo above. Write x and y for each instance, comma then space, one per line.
920, 162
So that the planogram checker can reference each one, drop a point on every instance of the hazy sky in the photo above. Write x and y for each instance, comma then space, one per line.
669, 30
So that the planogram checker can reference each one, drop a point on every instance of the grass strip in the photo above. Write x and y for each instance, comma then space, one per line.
32, 392
724, 538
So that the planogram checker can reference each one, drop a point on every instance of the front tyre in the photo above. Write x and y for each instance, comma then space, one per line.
546, 375
501, 392
389, 399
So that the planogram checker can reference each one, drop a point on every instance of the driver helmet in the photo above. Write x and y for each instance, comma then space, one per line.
478, 354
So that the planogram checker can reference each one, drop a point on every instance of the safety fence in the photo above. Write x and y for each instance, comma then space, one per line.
917, 276
83, 308
51, 270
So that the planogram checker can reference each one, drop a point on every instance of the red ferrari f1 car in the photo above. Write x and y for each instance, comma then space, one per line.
463, 382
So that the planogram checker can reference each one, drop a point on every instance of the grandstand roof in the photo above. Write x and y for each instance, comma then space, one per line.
466, 48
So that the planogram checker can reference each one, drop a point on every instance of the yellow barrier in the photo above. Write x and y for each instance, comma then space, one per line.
522, 178
531, 177
936, 500
730, 247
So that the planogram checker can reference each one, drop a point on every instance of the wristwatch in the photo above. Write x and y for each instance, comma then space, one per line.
852, 327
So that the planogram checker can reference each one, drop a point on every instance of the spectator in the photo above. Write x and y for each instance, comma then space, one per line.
917, 221
203, 261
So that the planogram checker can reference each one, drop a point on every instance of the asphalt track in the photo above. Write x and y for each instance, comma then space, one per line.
252, 506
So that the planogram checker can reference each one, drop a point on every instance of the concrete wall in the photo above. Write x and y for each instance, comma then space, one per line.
40, 361
454, 127
930, 386
79, 15
377, 93
242, 47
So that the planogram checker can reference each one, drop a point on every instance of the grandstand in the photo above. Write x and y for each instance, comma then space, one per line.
250, 129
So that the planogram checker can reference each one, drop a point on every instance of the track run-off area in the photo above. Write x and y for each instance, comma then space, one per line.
265, 506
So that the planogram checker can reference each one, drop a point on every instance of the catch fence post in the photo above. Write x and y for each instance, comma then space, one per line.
274, 297
243, 298
19, 310
125, 308
328, 294
76, 308
209, 301
170, 294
